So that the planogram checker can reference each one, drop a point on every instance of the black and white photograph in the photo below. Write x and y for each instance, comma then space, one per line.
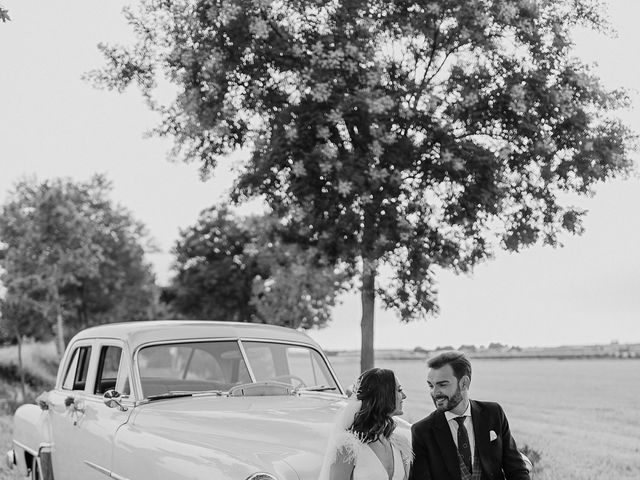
319, 240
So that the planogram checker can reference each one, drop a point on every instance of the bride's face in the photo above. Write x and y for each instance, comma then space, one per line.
400, 396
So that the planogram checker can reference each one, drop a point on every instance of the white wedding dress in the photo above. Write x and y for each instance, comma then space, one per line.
367, 464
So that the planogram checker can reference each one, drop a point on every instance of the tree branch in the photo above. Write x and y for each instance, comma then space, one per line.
420, 88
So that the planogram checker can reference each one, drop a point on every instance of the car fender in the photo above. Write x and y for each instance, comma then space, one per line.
31, 432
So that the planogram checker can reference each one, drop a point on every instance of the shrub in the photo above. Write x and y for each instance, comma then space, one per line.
535, 457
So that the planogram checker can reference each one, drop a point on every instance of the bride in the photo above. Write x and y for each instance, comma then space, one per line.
363, 445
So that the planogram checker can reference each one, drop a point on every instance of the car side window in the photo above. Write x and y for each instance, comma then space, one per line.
108, 366
126, 387
76, 376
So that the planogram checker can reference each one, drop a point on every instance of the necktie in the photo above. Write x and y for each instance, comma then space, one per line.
463, 443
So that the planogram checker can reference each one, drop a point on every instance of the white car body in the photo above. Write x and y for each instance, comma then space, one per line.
252, 427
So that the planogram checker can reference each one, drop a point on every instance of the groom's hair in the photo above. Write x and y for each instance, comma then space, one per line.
458, 360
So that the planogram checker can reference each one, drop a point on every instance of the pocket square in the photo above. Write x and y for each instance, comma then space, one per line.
492, 435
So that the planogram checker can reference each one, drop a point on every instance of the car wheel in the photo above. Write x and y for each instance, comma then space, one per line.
35, 469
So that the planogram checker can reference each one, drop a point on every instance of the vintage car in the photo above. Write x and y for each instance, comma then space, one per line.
182, 400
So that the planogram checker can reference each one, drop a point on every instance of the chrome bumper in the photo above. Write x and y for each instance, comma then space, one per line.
11, 459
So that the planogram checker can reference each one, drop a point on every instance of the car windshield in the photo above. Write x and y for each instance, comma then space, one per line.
220, 365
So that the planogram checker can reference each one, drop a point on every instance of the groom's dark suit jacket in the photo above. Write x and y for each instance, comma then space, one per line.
436, 455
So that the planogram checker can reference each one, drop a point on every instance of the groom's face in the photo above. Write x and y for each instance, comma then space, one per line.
444, 388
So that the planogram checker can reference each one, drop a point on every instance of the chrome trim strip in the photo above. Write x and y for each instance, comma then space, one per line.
44, 461
25, 448
333, 373
102, 470
253, 476
245, 358
118, 477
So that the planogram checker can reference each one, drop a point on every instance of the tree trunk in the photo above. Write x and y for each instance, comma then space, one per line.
368, 295
59, 331
23, 387
55, 301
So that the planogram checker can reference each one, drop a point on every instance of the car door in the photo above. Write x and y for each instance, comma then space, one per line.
100, 421
66, 411
89, 425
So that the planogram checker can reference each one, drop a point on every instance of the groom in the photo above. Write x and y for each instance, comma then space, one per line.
462, 439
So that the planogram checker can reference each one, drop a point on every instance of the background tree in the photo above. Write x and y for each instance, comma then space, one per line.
20, 317
4, 14
468, 348
75, 256
409, 135
124, 288
242, 269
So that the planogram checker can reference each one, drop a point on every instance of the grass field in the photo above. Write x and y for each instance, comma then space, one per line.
40, 359
41, 362
5, 443
582, 416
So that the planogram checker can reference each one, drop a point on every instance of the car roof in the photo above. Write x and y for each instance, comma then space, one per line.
143, 332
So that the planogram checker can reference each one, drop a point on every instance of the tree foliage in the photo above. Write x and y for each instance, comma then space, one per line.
243, 269
69, 256
414, 135
4, 14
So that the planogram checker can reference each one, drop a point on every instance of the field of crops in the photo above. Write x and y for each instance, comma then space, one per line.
581, 416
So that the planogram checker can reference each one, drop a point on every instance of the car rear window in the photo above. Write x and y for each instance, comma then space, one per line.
76, 376
108, 368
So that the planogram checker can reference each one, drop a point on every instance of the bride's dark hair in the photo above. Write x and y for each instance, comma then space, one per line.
376, 388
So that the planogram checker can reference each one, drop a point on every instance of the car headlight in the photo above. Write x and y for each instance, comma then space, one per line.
261, 476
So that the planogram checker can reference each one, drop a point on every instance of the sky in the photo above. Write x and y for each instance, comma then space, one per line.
54, 124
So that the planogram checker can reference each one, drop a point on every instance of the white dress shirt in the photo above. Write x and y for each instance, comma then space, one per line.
468, 424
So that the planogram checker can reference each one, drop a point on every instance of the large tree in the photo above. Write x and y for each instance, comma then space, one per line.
77, 258
233, 268
410, 135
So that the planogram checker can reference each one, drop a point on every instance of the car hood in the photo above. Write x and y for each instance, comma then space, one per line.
261, 430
